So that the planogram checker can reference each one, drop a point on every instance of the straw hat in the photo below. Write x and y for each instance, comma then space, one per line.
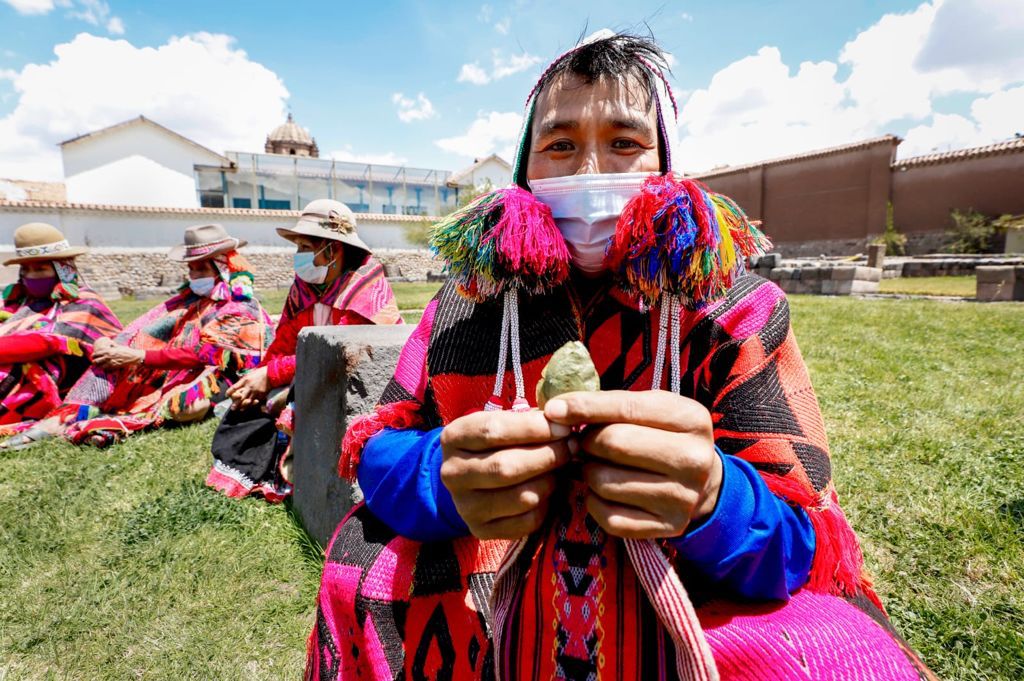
204, 241
326, 219
40, 242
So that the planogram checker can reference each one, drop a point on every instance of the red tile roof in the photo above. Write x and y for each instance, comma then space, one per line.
853, 146
1007, 147
209, 212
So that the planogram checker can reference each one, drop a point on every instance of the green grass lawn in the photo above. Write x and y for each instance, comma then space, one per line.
120, 564
930, 286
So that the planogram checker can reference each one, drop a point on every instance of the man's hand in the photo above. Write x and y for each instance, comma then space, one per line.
250, 389
652, 468
499, 467
110, 355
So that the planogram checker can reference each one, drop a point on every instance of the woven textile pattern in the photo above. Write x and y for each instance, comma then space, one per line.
228, 336
72, 323
575, 608
364, 290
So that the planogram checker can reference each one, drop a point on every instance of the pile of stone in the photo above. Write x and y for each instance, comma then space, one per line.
818, 277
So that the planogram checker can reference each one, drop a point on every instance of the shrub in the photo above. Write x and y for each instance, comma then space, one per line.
974, 232
895, 242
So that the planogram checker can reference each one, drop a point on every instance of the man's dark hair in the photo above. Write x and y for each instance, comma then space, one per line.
619, 57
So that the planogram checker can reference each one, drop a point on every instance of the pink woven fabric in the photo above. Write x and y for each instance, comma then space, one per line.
814, 636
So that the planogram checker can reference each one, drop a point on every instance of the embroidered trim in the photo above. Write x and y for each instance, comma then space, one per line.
44, 249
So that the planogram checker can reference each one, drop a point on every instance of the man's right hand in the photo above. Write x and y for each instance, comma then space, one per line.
499, 467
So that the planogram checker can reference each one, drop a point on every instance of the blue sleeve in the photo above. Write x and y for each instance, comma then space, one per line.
753, 542
400, 475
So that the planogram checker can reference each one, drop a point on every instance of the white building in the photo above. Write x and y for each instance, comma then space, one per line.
492, 171
135, 163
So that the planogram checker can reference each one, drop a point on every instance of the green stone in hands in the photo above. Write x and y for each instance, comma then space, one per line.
570, 369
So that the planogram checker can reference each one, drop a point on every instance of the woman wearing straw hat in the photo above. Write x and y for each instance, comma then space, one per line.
174, 361
337, 281
49, 326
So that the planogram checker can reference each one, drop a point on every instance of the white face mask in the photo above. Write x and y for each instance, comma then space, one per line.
203, 286
586, 208
306, 270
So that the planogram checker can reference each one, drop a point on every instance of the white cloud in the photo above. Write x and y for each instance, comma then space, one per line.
96, 13
389, 158
501, 67
485, 13
472, 73
202, 86
503, 26
491, 132
31, 6
759, 107
409, 110
686, 16
994, 117
8, 74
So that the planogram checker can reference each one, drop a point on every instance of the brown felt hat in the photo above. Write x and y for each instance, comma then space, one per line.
40, 242
204, 241
326, 219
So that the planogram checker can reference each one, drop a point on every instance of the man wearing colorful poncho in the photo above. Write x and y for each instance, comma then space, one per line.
665, 527
337, 282
172, 363
50, 323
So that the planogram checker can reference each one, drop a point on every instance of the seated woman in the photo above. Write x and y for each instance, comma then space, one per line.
337, 281
169, 364
48, 327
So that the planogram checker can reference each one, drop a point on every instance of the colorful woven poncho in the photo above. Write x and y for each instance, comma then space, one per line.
228, 331
70, 320
675, 311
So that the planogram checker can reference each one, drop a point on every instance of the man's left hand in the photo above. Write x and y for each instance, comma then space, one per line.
651, 463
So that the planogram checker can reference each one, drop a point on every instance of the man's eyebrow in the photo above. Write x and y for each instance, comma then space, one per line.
558, 125
637, 124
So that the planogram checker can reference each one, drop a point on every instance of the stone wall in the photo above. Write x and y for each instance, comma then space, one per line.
144, 273
917, 244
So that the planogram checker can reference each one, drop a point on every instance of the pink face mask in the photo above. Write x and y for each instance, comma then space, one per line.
41, 287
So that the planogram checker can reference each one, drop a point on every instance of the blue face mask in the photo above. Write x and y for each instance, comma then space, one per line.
306, 270
202, 286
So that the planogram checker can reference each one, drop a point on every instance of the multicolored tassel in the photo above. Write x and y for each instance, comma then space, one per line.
504, 239
679, 238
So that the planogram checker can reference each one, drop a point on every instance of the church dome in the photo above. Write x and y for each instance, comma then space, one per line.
291, 139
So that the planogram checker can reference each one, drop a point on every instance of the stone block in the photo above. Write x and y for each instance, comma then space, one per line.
1003, 282
868, 274
769, 260
858, 286
843, 273
876, 255
810, 273
341, 372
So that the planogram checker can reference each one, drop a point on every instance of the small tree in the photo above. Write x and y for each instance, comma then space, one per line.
895, 242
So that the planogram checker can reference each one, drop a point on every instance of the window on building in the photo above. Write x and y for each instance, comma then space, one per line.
241, 203
275, 204
211, 199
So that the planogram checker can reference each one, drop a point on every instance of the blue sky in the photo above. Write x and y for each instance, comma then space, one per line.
381, 80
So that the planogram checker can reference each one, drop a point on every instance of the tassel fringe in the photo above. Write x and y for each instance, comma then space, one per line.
679, 238
504, 239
